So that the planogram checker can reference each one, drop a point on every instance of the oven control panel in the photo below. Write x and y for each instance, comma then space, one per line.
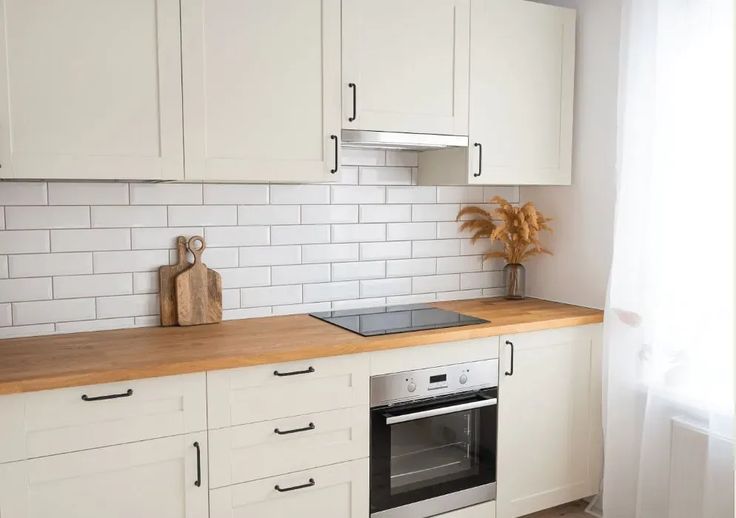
436, 381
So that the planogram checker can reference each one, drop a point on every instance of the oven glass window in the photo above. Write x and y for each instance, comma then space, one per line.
430, 451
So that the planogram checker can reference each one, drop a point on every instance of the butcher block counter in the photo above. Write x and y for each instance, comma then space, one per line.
48, 362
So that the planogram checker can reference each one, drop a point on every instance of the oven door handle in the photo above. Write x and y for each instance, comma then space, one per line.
440, 411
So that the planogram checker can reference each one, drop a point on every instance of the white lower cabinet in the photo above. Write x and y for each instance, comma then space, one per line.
336, 491
156, 478
549, 421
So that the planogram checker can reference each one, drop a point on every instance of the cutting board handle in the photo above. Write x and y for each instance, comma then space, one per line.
181, 248
197, 246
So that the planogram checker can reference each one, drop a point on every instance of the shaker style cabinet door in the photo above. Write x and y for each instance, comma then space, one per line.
549, 424
405, 65
522, 59
90, 89
261, 89
143, 479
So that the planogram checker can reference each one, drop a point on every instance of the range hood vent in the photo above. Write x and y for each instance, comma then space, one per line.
393, 140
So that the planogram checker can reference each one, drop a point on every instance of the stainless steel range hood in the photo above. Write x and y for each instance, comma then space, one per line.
394, 140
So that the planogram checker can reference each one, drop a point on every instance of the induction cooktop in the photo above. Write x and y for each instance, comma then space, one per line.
385, 320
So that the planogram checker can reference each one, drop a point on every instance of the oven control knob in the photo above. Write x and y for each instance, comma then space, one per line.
411, 387
463, 379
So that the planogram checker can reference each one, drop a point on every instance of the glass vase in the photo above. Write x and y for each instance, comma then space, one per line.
515, 281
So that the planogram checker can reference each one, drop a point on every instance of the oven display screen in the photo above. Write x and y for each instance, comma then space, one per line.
439, 378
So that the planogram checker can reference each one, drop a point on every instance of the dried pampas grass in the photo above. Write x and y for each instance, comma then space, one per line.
518, 229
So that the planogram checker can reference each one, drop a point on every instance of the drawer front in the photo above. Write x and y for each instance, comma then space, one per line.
487, 510
81, 418
338, 491
265, 392
253, 451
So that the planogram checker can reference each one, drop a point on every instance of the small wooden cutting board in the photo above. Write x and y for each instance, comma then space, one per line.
198, 290
167, 285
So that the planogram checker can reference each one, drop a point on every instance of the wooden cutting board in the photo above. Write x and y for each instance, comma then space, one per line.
167, 285
198, 290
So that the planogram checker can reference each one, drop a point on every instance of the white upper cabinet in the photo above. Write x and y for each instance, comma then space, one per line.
90, 89
261, 89
522, 61
405, 65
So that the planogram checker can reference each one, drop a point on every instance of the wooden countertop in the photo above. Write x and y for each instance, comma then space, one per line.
48, 362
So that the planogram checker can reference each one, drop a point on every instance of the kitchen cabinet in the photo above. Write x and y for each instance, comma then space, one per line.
522, 59
549, 424
261, 89
405, 65
149, 478
339, 490
90, 89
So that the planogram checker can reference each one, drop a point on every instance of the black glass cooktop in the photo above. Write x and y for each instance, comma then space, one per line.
385, 320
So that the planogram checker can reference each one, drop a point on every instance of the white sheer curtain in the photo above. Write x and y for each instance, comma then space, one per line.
668, 326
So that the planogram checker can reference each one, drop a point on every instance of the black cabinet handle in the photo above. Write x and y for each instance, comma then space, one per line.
292, 488
480, 159
198, 482
510, 372
334, 169
310, 426
355, 101
127, 393
293, 373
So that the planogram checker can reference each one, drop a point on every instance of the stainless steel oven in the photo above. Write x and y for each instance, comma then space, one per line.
433, 439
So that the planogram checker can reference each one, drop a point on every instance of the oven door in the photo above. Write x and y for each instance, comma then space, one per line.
433, 456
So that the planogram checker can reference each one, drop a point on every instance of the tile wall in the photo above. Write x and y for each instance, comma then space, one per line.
84, 256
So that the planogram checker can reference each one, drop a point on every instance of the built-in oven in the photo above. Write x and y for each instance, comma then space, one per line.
433, 440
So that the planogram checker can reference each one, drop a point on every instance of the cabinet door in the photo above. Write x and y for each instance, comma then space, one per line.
336, 491
146, 479
261, 89
522, 58
548, 419
408, 60
90, 89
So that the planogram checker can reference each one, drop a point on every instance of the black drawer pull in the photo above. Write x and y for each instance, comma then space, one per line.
337, 145
127, 393
480, 159
355, 101
198, 482
510, 372
293, 488
294, 373
295, 430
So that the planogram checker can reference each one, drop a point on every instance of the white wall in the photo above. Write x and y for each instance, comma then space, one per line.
583, 213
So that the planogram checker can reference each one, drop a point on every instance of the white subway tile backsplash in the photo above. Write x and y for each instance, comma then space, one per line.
361, 232
494, 292
330, 253
268, 215
312, 214
46, 265
127, 306
15, 290
129, 261
23, 193
299, 194
384, 213
165, 193
79, 286
228, 194
26, 218
331, 291
123, 217
356, 271
270, 255
49, 311
368, 238
202, 215
388, 250
358, 194
91, 193
90, 240
236, 236
270, 296
300, 274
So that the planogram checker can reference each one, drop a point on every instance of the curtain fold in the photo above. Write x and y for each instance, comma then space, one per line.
668, 331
